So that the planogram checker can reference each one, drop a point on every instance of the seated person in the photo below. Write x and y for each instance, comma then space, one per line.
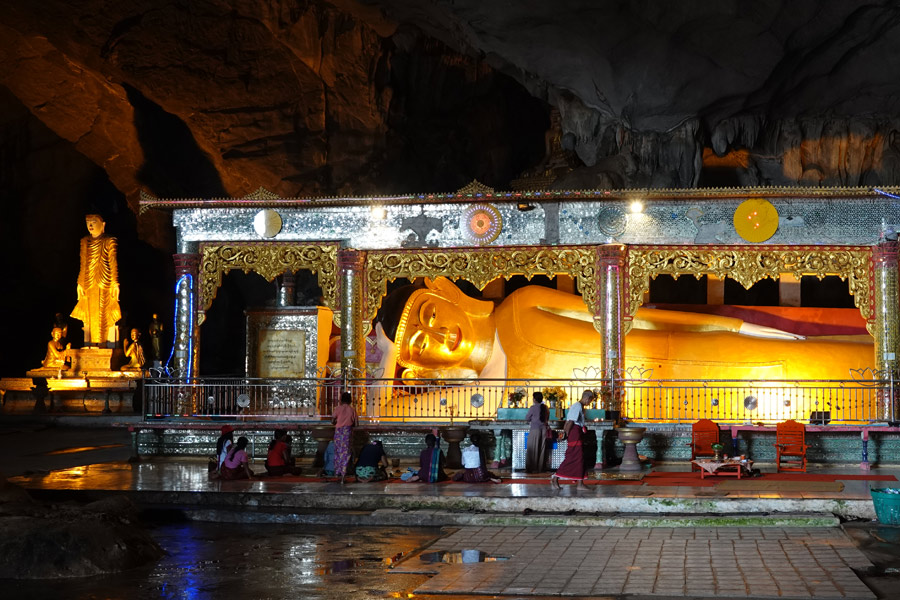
223, 445
372, 463
327, 469
431, 462
237, 463
278, 460
474, 465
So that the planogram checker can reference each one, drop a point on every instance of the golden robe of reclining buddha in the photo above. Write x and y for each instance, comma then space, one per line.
98, 284
538, 332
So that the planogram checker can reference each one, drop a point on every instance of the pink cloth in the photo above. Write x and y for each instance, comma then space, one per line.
341, 450
235, 460
344, 415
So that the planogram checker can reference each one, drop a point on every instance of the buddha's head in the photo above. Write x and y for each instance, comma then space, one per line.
56, 333
95, 224
442, 328
135, 335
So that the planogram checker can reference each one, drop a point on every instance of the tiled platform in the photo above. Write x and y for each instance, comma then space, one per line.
669, 562
184, 481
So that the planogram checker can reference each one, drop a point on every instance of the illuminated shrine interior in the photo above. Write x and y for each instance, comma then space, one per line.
362, 100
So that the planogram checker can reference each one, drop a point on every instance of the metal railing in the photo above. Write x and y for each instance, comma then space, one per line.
646, 400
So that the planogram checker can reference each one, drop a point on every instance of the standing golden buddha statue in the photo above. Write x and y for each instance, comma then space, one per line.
98, 285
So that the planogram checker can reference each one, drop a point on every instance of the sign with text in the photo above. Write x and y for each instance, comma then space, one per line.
281, 353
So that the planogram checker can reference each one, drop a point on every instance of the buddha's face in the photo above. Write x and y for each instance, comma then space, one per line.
56, 334
95, 225
135, 334
434, 332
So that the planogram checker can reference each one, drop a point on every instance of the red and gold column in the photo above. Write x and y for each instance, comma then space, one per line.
886, 330
610, 268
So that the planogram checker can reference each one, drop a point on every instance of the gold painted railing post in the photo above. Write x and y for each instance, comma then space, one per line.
351, 280
887, 303
608, 321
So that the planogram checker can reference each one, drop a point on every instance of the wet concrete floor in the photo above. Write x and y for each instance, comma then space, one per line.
246, 562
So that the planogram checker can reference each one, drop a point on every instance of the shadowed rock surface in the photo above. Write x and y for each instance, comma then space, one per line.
39, 541
209, 98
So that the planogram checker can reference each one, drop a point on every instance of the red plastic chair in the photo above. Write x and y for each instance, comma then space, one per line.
790, 446
704, 433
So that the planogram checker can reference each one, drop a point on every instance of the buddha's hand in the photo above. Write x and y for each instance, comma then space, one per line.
115, 292
768, 332
80, 291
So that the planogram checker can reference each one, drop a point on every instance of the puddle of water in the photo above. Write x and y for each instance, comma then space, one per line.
463, 556
208, 561
83, 449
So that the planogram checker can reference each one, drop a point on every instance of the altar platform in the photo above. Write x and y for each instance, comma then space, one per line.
663, 495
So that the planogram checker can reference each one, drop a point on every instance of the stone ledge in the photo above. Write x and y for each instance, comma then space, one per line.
503, 510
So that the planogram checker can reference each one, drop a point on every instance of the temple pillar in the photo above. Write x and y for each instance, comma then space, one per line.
887, 324
608, 322
186, 345
351, 282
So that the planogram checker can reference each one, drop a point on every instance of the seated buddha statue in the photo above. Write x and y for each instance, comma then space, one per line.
541, 333
57, 356
134, 352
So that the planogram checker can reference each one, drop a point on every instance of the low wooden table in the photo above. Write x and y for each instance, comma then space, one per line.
730, 467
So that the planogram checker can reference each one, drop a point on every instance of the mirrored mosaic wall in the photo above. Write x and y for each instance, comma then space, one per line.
378, 224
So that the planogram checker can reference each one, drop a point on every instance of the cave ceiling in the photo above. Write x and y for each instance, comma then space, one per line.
212, 98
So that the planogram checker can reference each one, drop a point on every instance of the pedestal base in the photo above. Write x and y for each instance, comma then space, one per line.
453, 436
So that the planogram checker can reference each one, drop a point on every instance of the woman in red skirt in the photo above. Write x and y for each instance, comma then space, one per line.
573, 466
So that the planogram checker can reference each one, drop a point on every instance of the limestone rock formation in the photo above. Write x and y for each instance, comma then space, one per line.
329, 97
212, 98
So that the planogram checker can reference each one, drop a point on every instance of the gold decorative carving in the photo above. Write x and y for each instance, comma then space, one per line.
480, 266
269, 259
475, 187
747, 265
261, 193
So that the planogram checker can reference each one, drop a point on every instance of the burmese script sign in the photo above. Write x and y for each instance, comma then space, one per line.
281, 353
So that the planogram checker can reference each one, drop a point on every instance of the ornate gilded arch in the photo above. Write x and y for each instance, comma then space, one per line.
749, 264
480, 266
269, 259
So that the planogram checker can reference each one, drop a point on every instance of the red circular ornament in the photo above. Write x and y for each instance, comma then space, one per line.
481, 223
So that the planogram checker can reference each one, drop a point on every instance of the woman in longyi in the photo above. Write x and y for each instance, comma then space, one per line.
542, 333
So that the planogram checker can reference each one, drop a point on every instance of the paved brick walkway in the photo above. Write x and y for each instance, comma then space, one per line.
715, 562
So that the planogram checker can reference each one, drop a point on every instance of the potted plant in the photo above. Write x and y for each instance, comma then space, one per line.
515, 398
556, 398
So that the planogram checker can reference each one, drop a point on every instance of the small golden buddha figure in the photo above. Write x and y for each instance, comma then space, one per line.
57, 354
98, 284
134, 352
539, 332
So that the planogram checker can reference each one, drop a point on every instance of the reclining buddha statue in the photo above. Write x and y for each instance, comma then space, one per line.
542, 333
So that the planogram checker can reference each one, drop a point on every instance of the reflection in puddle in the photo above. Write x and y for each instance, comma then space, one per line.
463, 556
83, 449
339, 566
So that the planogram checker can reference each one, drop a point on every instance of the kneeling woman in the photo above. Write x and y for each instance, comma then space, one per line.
372, 463
237, 463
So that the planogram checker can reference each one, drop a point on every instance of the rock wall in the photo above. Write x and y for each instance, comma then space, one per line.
216, 98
